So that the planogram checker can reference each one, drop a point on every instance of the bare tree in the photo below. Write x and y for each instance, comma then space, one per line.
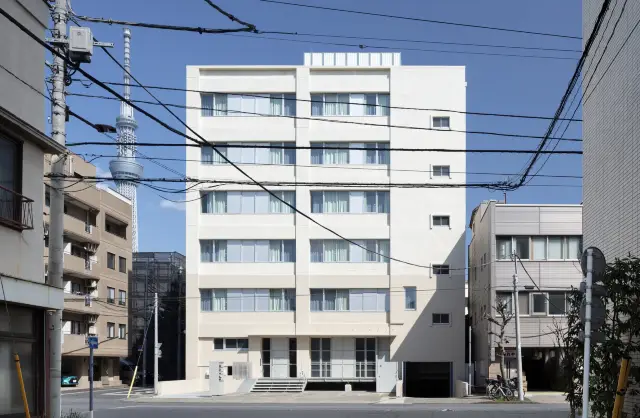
502, 318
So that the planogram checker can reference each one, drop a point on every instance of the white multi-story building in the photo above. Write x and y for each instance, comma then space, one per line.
267, 287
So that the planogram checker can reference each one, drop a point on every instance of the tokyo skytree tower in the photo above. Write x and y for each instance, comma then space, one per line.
125, 166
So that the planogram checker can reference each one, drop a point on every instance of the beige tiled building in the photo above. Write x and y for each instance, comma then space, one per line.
97, 261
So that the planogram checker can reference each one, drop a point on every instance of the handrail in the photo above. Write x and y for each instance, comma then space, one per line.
16, 210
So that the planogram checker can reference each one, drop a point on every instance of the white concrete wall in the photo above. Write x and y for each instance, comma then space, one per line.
407, 226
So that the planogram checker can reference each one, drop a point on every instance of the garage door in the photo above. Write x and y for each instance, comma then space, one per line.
428, 380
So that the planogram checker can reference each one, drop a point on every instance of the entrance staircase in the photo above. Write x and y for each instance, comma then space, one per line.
272, 385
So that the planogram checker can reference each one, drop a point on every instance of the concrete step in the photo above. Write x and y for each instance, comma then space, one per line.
265, 385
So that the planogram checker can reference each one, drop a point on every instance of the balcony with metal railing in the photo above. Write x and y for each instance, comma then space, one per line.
16, 210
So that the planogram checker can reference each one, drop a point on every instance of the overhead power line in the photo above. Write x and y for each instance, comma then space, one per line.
263, 96
214, 146
337, 167
577, 89
567, 93
231, 17
421, 41
199, 30
201, 141
403, 48
417, 19
301, 183
319, 119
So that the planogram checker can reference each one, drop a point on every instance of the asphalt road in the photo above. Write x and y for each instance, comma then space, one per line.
112, 404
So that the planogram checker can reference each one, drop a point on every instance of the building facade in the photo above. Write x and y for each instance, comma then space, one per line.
266, 286
164, 273
611, 132
23, 143
97, 261
548, 240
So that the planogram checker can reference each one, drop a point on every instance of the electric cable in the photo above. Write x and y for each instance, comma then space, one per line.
338, 167
417, 19
263, 96
332, 147
565, 97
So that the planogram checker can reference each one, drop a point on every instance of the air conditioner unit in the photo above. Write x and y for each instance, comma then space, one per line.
92, 284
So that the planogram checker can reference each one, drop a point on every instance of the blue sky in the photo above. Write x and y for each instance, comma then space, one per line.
495, 84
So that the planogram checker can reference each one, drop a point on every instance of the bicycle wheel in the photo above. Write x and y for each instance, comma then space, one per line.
508, 394
494, 393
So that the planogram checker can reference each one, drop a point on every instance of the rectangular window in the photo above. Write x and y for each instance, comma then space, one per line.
440, 319
352, 300
268, 153
523, 303
410, 295
521, 245
441, 269
218, 344
282, 104
122, 332
122, 264
247, 251
345, 153
111, 295
111, 330
213, 104
539, 245
557, 303
505, 298
441, 122
539, 248
441, 171
574, 247
122, 298
247, 300
232, 344
441, 220
354, 104
504, 248
340, 251
111, 261
556, 246
539, 304
349, 202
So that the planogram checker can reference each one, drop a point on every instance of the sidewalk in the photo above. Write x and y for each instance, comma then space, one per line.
73, 389
311, 397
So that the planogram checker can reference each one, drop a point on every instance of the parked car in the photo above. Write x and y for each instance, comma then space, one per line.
69, 381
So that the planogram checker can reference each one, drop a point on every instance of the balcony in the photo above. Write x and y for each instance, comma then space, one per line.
79, 303
80, 267
16, 210
78, 230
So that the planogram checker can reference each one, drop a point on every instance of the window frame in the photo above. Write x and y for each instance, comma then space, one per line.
441, 324
111, 261
241, 348
410, 291
532, 311
122, 300
120, 264
441, 167
549, 303
379, 108
111, 330
122, 335
442, 118
441, 269
111, 299
442, 216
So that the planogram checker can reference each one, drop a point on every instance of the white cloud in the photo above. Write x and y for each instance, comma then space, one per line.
102, 173
165, 204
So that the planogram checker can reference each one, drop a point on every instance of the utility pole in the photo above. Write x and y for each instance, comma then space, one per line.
470, 385
517, 314
56, 227
587, 334
156, 347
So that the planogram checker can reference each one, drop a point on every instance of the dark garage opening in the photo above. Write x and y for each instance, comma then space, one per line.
428, 380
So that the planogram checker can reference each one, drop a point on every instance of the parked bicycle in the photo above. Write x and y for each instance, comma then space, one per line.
502, 389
